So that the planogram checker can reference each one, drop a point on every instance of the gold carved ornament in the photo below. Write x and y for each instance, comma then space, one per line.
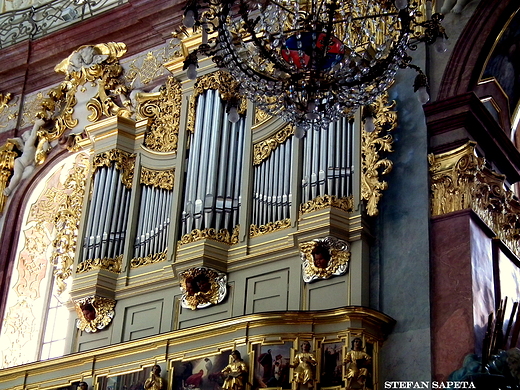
67, 223
221, 235
157, 178
94, 313
227, 86
108, 264
326, 201
164, 109
137, 262
373, 144
202, 287
7, 156
124, 162
461, 180
255, 231
334, 263
97, 64
262, 150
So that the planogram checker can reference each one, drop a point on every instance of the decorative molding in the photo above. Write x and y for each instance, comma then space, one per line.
461, 180
137, 262
158, 178
323, 258
221, 235
255, 231
112, 265
322, 202
164, 109
94, 313
227, 86
260, 116
202, 287
124, 162
262, 150
373, 144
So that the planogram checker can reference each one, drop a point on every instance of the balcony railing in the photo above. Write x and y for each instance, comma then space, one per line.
35, 22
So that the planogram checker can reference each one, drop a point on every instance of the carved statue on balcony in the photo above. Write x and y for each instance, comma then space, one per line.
154, 381
236, 371
303, 364
357, 364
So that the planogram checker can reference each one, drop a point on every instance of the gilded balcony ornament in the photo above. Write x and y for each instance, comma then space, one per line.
461, 180
221, 235
108, 264
137, 262
202, 287
94, 313
227, 86
326, 201
67, 222
255, 231
373, 144
124, 162
323, 258
262, 150
260, 116
164, 110
7, 110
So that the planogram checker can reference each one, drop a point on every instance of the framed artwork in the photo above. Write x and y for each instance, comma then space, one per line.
271, 365
204, 373
331, 364
130, 381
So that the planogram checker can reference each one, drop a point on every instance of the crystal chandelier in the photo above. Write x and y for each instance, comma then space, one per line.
311, 62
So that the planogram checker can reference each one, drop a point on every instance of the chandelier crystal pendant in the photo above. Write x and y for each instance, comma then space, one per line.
310, 62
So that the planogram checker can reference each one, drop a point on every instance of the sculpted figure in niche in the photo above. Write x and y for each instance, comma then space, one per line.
357, 363
154, 381
82, 386
236, 372
303, 364
24, 165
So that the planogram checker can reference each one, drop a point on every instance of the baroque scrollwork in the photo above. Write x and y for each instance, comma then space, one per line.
323, 258
156, 178
150, 259
461, 180
227, 86
112, 265
326, 201
221, 235
67, 222
202, 287
164, 108
255, 231
263, 149
97, 64
94, 313
7, 156
373, 144
124, 162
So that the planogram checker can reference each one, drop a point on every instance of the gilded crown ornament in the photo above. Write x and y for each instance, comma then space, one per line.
311, 62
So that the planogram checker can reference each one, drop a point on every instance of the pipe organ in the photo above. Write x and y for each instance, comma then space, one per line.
108, 215
154, 221
214, 167
328, 161
272, 186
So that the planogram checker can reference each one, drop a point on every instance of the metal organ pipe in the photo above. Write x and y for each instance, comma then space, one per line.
213, 177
